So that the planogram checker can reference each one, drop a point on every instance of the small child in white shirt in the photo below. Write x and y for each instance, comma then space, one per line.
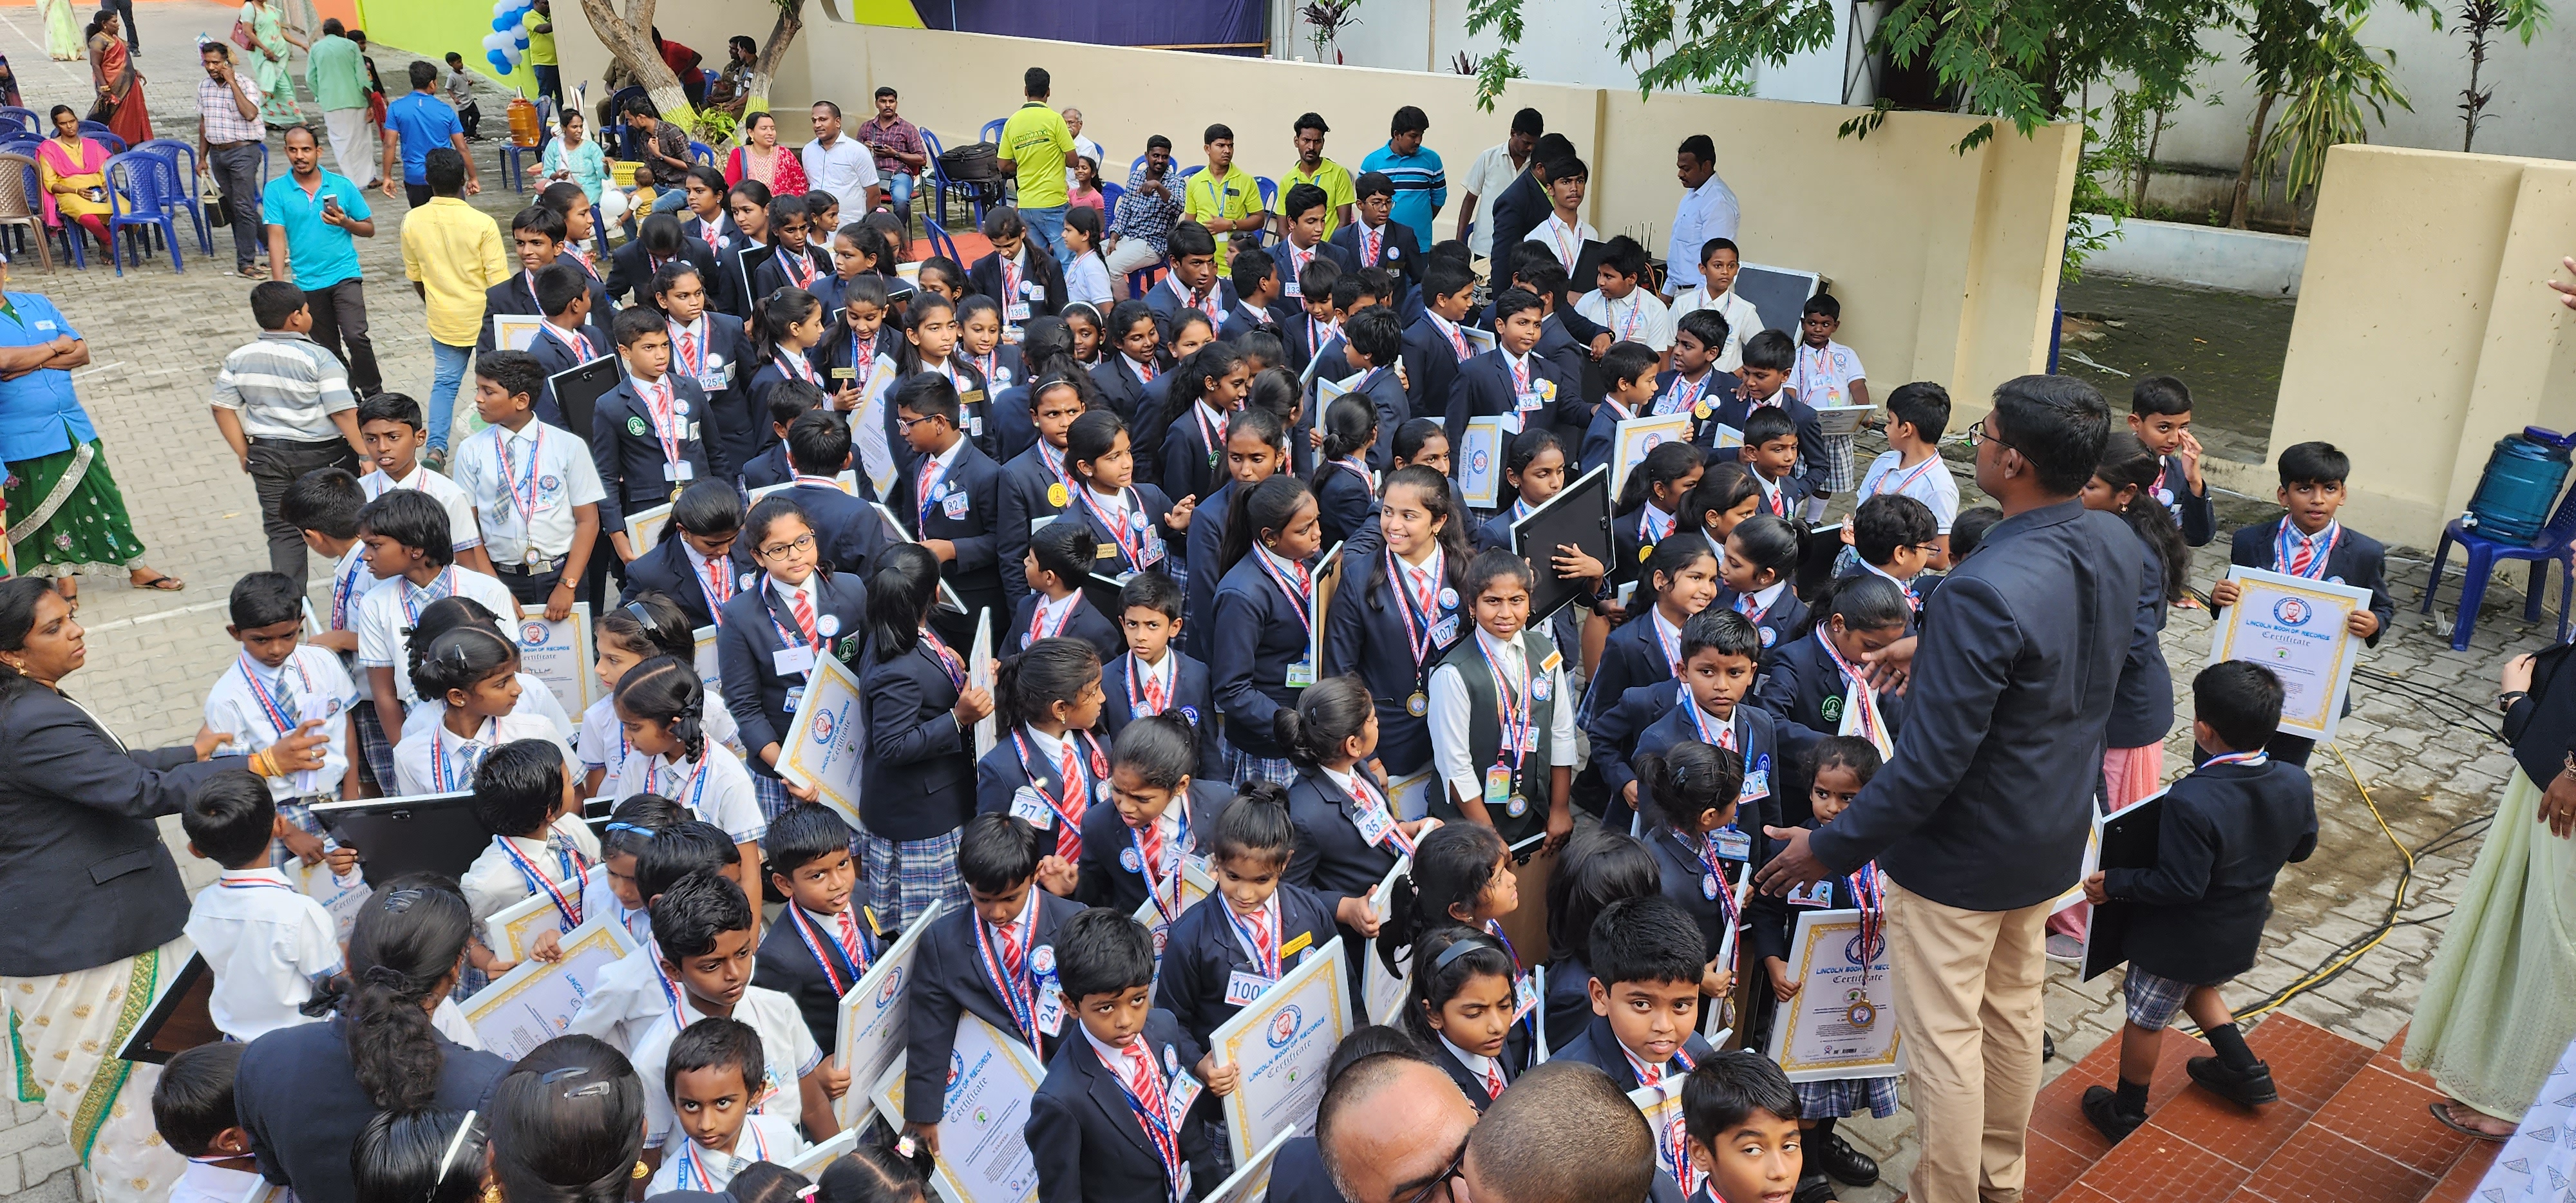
406, 537
192, 1109
1916, 415
645, 626
704, 929
659, 705
523, 791
264, 940
609, 891
1621, 304
1827, 373
1719, 261
629, 997
390, 426
277, 684
713, 1074
474, 670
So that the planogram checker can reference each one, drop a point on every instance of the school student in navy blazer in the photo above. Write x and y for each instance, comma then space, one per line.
1033, 285
1031, 485
631, 267
1485, 960
1512, 381
1432, 357
1805, 690
794, 262
1110, 872
1614, 728
558, 349
1210, 966
1040, 704
1095, 1131
1263, 619
1154, 667
1205, 393
1762, 557
1599, 1047
517, 296
917, 782
645, 452
1121, 376
763, 648
849, 532
997, 857
1753, 729
1676, 800
1375, 241
711, 512
951, 498
1345, 489
805, 954
1193, 282
1130, 525
707, 344
1059, 602
1380, 626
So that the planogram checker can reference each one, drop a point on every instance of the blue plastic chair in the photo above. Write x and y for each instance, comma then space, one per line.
182, 158
943, 186
941, 242
137, 185
992, 132
514, 162
1269, 204
2551, 545
114, 144
702, 154
1109, 196
94, 129
19, 119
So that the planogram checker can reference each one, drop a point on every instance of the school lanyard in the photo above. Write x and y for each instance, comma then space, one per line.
714, 582
1752, 612
269, 707
1636, 314
1457, 341
2288, 546
574, 865
1675, 400
1416, 610
1364, 795
1704, 850
1151, 1110
1862, 696
794, 363
693, 1168
840, 971
661, 402
929, 492
1017, 986
1213, 433
791, 637
949, 661
344, 590
1649, 530
1040, 628
1053, 457
1011, 281
1072, 792
1653, 1074
1151, 867
1512, 709
1723, 735
695, 782
790, 261
1126, 528
440, 586
524, 500
1907, 482
1558, 232
1265, 953
691, 349
1139, 702
575, 343
2253, 759
670, 991
1671, 648
449, 782
1869, 893
1301, 594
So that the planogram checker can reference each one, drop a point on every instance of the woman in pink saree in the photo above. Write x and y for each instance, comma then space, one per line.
73, 168
120, 86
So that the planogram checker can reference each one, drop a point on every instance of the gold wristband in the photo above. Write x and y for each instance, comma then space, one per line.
641, 1170
261, 766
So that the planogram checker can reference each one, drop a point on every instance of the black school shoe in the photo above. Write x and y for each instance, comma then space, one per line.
1835, 1156
2102, 1107
2244, 1087
1815, 1188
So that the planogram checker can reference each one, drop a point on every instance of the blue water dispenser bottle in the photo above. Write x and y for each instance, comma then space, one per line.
2522, 478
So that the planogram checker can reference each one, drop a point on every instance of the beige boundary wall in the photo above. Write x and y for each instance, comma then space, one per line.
2425, 329
1946, 263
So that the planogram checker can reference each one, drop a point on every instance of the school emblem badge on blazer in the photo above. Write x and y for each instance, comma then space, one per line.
1832, 708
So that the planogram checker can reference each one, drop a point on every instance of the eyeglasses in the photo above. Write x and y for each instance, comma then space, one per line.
1440, 1185
1977, 433
803, 542
904, 425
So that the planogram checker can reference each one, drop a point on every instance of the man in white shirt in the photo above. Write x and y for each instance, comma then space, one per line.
1707, 210
1083, 148
1492, 172
844, 167
264, 940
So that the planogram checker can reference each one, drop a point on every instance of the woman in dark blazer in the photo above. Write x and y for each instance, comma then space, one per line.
92, 895
760, 644
917, 783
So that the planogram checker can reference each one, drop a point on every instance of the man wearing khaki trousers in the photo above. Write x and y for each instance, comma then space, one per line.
1979, 819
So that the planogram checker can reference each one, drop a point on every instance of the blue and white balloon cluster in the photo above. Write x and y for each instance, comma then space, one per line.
507, 44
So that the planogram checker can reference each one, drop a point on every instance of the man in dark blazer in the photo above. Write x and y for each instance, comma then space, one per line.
952, 502
1376, 241
997, 856
701, 561
2008, 700
658, 241
1084, 1130
645, 460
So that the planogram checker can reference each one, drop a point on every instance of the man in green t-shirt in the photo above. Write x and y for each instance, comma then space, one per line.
1224, 198
1035, 142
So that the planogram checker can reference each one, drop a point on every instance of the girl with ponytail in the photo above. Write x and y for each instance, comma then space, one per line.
1256, 448
1350, 829
1345, 488
1263, 650
648, 624
1049, 767
1400, 609
1687, 795
420, 1157
1678, 580
1138, 523
1461, 873
1056, 566
1205, 392
661, 706
1036, 482
474, 670
1223, 952
917, 782
1759, 571
1650, 504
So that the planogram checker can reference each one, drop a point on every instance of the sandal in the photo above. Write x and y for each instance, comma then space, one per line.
2442, 1113
161, 582
250, 273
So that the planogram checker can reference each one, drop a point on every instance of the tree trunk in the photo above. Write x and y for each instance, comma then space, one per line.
629, 40
791, 21
2146, 165
2245, 173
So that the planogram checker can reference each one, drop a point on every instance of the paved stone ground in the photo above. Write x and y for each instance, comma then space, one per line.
157, 338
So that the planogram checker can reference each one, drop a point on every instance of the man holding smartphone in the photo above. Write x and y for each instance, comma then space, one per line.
312, 218
1146, 214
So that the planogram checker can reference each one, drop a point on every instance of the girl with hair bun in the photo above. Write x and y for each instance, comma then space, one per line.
1224, 952
474, 670
646, 625
567, 1124
1461, 875
660, 706
1349, 832
1049, 767
1265, 622
420, 1157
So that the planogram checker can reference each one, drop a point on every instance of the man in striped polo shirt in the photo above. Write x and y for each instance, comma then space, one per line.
283, 403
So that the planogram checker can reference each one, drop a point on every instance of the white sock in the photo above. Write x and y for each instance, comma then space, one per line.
1812, 509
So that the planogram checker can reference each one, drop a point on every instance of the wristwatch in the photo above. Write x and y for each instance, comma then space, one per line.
2505, 700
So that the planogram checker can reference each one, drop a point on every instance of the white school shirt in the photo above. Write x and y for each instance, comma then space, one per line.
1706, 212
603, 743
1564, 241
1639, 317
1823, 375
1933, 486
1486, 178
461, 529
203, 1183
351, 582
1450, 720
599, 899
310, 685
767, 1138
1165, 676
534, 699
415, 772
449, 1021
390, 610
625, 1002
722, 795
493, 883
785, 1044
547, 462
265, 941
1743, 321
1086, 279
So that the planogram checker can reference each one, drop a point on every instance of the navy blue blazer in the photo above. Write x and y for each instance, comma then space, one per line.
1514, 1058
1780, 624
1568, 1006
1630, 548
1345, 500
1804, 691
1037, 267
1291, 302
630, 270
1157, 545
2191, 510
1683, 873
1394, 409
842, 350
1631, 655
555, 356
2356, 560
1733, 409
2142, 712
1026, 478
1399, 252
668, 569
1259, 633
1557, 345
1085, 1137
728, 235
1106, 876
768, 468
629, 455
785, 963
732, 416
748, 430
748, 644
918, 780
1205, 544
1485, 388
1365, 632
1015, 429
1330, 857
1193, 458
1087, 624
1168, 306
1431, 367
1243, 318
976, 572
2197, 915
1191, 695
1115, 377
301, 1106
1204, 952
948, 979
771, 275
1002, 773
1598, 1047
1757, 800
849, 531
1299, 336
517, 296
735, 289
1614, 729
1297, 1174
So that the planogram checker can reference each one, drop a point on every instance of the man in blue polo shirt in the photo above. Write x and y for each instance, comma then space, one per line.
1421, 188
416, 125
313, 216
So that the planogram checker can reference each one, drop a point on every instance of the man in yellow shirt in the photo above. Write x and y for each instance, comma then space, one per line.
452, 252
1035, 142
1224, 198
1313, 168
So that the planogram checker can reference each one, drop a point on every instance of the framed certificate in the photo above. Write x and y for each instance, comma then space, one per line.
1842, 1021
1283, 1043
1328, 580
981, 669
2092, 860
827, 738
1577, 517
1478, 341
1251, 1182
710, 668
1329, 391
644, 527
1637, 436
535, 1002
1841, 419
1662, 1106
512, 931
343, 897
871, 1032
558, 653
991, 1077
1410, 796
1381, 991
817, 1158
516, 331
1479, 463
2295, 627
868, 429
